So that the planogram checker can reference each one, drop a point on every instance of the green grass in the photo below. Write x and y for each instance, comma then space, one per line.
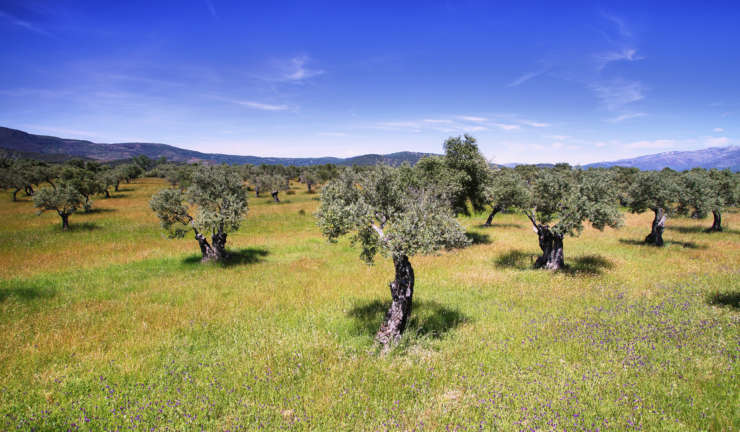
112, 326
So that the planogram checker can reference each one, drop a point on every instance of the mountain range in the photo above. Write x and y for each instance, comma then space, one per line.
19, 143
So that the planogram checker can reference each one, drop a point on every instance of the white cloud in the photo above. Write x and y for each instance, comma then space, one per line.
477, 128
333, 134
441, 121
617, 93
623, 117
534, 123
526, 77
718, 130
24, 24
211, 8
716, 141
626, 54
473, 119
507, 127
621, 25
296, 69
261, 106
654, 144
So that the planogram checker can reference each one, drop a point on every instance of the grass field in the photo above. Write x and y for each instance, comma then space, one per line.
112, 326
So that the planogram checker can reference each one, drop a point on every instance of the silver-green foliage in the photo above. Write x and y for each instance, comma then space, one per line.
64, 199
386, 213
215, 201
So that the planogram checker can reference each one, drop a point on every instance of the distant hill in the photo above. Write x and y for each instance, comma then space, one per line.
51, 148
714, 157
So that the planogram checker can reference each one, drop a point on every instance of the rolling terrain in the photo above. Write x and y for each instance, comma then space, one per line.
113, 326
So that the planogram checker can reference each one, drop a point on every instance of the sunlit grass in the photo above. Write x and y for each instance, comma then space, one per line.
113, 325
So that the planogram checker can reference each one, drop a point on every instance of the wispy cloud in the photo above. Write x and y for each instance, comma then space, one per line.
618, 93
333, 134
211, 8
625, 54
718, 130
623, 117
619, 23
260, 106
507, 127
534, 123
473, 119
526, 77
24, 24
296, 70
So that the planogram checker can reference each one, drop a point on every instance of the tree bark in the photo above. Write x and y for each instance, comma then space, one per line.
115, 188
655, 237
309, 187
551, 243
215, 251
65, 221
402, 292
15, 194
495, 210
717, 224
107, 194
275, 196
29, 190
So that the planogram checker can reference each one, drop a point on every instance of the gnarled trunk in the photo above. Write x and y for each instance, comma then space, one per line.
29, 190
115, 187
655, 237
309, 187
402, 292
214, 251
495, 210
275, 196
551, 243
717, 224
15, 194
107, 194
65, 221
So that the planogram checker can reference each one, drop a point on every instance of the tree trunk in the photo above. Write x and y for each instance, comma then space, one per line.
257, 192
215, 251
15, 194
552, 249
107, 194
65, 221
309, 187
402, 291
29, 190
717, 224
275, 196
115, 188
495, 210
655, 237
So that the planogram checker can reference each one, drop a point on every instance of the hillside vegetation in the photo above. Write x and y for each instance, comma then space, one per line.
114, 326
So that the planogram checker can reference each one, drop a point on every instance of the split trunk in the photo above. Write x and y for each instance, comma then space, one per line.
655, 237
551, 243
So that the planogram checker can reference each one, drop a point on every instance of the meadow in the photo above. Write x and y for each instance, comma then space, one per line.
113, 326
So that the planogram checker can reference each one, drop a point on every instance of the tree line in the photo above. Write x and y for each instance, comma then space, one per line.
396, 212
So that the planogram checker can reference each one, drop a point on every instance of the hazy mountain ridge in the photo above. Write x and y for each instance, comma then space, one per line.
54, 148
19, 143
713, 157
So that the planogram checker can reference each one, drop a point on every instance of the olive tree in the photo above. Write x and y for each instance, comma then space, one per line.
657, 191
64, 199
708, 191
272, 182
215, 203
559, 201
385, 213
463, 156
506, 189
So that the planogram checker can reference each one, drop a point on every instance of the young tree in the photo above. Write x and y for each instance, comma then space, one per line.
506, 189
726, 186
559, 201
309, 178
215, 202
385, 214
64, 199
708, 191
84, 177
272, 182
657, 191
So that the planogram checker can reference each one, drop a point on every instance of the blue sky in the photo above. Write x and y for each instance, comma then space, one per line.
532, 81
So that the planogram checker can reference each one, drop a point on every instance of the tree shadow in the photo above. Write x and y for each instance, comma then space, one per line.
478, 238
686, 245
516, 259
731, 299
587, 265
116, 195
236, 257
78, 227
700, 229
26, 292
428, 318
499, 225
98, 210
